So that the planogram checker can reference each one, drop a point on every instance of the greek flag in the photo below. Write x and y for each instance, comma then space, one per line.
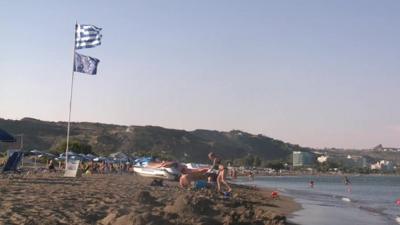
87, 36
85, 64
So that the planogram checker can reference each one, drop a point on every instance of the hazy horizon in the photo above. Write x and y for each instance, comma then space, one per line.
318, 74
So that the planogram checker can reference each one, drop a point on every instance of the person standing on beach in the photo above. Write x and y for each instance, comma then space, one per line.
233, 173
251, 175
51, 166
213, 174
221, 175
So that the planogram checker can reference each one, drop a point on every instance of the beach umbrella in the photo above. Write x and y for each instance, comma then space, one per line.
49, 155
6, 137
119, 155
36, 152
62, 158
109, 160
83, 156
46, 155
99, 159
70, 153
90, 156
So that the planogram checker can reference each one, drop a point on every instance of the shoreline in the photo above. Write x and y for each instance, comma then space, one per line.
129, 199
369, 201
320, 175
286, 205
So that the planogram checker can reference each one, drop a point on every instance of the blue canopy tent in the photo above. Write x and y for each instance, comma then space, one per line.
6, 137
15, 158
13, 161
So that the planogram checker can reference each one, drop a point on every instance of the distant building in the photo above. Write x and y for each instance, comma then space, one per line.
380, 148
355, 161
302, 159
350, 161
322, 158
383, 165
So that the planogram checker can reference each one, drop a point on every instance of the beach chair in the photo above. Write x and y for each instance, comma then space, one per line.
13, 162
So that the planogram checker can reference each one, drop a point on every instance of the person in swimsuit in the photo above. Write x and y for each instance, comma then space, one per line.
221, 178
311, 184
346, 181
189, 175
221, 175
51, 166
213, 171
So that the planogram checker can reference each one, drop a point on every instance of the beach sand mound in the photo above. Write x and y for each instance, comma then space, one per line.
130, 200
135, 219
191, 204
144, 197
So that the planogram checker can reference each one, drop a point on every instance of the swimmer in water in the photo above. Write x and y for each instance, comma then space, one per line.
251, 176
346, 181
311, 184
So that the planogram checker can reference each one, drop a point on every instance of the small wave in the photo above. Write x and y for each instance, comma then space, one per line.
346, 199
323, 200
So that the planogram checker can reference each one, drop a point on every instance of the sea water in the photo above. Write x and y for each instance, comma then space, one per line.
369, 200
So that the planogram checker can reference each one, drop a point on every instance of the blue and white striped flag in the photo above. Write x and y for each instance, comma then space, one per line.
87, 36
85, 64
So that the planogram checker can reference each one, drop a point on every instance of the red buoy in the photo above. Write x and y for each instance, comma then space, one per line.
274, 194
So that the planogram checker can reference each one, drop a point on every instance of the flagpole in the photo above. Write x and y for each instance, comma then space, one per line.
70, 100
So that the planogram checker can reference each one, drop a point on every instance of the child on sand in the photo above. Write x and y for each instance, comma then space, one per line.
221, 178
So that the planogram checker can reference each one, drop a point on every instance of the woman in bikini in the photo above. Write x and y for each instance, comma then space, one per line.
222, 172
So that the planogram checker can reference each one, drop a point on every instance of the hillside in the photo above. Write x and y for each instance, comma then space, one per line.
180, 144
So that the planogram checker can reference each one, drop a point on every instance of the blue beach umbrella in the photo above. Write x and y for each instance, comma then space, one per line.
6, 137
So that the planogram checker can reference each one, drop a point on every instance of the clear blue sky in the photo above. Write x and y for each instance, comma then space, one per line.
316, 73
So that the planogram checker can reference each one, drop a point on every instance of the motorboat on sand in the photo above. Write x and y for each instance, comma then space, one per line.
158, 173
158, 170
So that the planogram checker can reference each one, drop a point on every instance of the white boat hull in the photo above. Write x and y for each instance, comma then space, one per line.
162, 173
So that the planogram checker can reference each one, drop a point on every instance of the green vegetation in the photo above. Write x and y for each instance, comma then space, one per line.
189, 146
75, 146
248, 161
327, 166
158, 155
276, 165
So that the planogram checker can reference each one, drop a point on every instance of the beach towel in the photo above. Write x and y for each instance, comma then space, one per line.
13, 162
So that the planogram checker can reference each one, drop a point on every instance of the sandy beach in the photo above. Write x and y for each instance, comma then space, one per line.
129, 199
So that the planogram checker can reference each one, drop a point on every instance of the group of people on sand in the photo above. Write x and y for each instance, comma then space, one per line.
105, 168
94, 167
215, 174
